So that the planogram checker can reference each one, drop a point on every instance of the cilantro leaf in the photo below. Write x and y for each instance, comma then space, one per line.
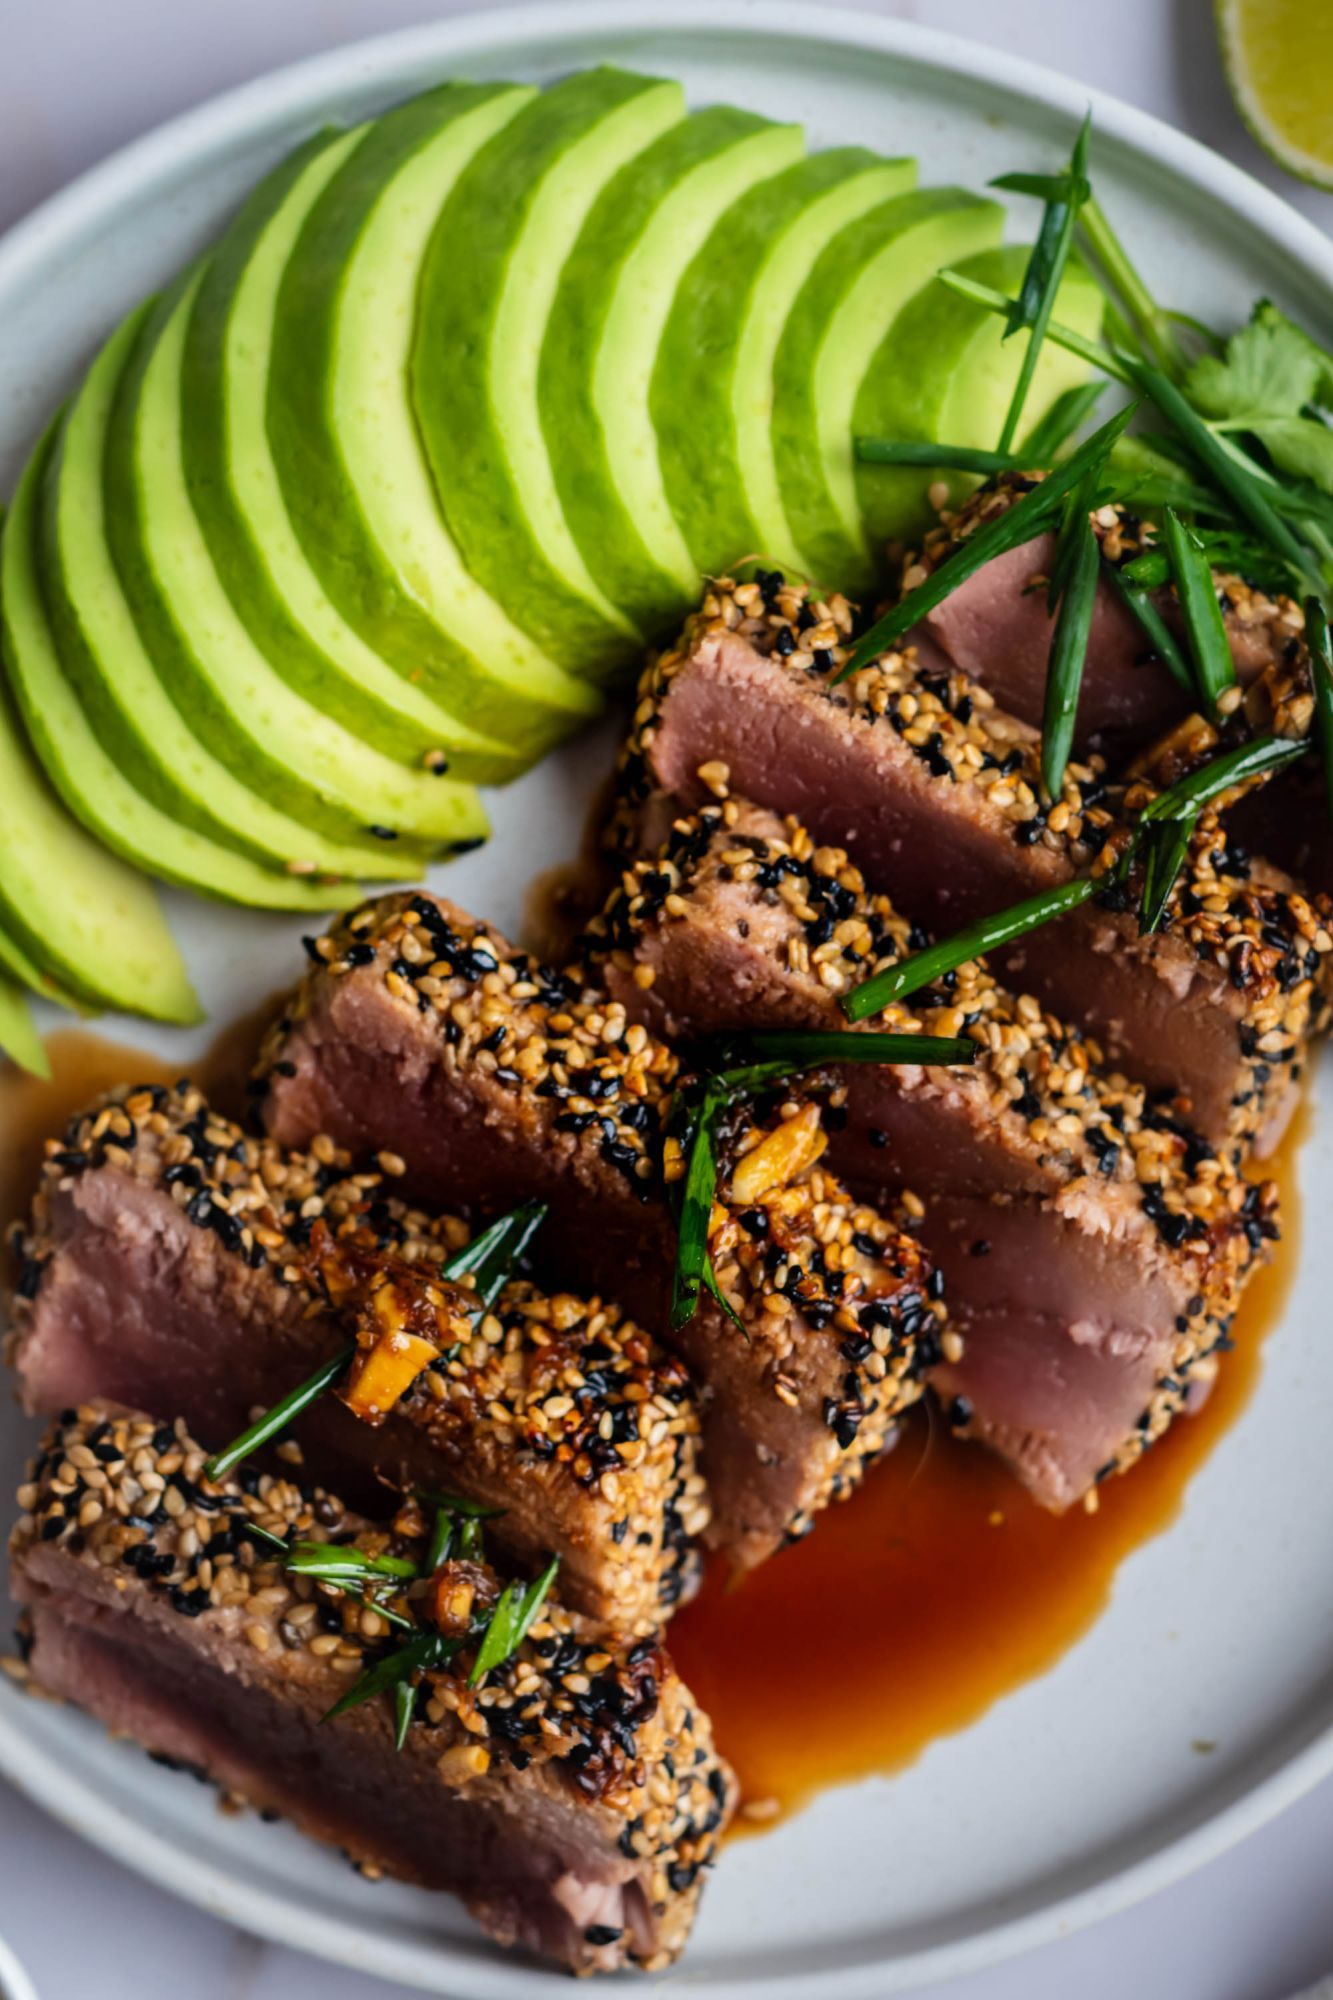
1270, 369
1302, 446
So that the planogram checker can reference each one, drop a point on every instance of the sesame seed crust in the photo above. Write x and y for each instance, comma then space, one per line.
1057, 1104
600, 1721
575, 1070
546, 1391
1270, 944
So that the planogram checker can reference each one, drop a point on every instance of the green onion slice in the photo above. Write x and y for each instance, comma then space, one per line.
1019, 524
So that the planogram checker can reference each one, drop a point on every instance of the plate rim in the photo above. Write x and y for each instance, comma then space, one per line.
247, 113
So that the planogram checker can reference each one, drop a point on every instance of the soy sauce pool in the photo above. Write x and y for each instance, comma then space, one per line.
938, 1588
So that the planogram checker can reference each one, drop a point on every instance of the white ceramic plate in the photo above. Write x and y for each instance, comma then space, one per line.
1080, 1791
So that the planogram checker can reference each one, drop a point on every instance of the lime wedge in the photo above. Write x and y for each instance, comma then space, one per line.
1279, 62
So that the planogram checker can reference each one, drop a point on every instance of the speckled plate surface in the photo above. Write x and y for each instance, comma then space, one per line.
1081, 1790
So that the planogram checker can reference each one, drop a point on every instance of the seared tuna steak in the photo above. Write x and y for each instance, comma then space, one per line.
573, 1799
493, 1079
1093, 1248
175, 1261
936, 796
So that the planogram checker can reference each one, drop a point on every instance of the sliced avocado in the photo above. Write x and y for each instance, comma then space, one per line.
127, 707
857, 286
254, 722
944, 371
71, 906
487, 284
345, 441
16, 962
237, 496
88, 780
603, 336
712, 392
19, 1039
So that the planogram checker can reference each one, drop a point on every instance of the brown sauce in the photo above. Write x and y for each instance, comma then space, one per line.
938, 1588
913, 1607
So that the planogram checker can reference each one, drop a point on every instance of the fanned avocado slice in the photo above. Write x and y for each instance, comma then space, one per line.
254, 722
712, 391
603, 337
945, 372
859, 283
345, 441
128, 709
19, 1039
72, 907
237, 496
16, 962
88, 780
487, 284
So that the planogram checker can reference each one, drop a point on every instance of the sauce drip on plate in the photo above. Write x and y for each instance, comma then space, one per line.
913, 1607
938, 1587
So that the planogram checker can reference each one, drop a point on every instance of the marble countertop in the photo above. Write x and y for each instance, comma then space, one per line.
79, 78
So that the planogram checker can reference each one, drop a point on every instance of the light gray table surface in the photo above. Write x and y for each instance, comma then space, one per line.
77, 79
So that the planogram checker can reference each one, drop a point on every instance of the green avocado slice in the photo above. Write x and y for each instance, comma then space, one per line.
254, 722
345, 441
87, 779
858, 284
712, 391
603, 336
237, 496
16, 962
945, 371
19, 1039
72, 908
127, 707
487, 285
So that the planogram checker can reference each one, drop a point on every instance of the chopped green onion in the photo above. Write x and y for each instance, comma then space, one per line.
471, 1545
986, 934
1021, 523
441, 1537
404, 1708
1155, 628
1321, 673
1107, 359
337, 1562
1064, 196
1069, 648
1227, 466
490, 1257
510, 1622
427, 1650
1066, 186
781, 1053
1205, 627
1069, 410
1166, 843
277, 1419
263, 1536
910, 451
1152, 323
696, 1208
1262, 756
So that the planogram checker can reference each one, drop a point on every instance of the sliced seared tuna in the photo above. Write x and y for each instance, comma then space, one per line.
493, 1079
1093, 1249
573, 1799
936, 795
175, 1261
